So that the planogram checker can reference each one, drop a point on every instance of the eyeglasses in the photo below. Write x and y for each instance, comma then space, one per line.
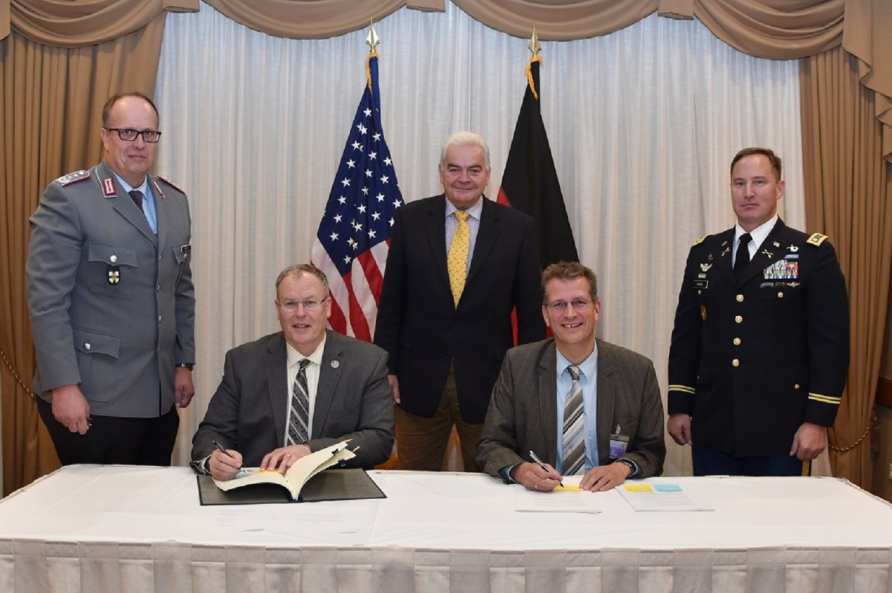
130, 135
310, 306
561, 306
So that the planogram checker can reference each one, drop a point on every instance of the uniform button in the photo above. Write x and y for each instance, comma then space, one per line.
735, 363
737, 341
796, 386
87, 346
113, 258
740, 298
699, 292
738, 319
158, 288
159, 319
780, 295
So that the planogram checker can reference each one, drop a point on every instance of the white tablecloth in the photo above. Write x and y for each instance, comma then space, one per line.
112, 528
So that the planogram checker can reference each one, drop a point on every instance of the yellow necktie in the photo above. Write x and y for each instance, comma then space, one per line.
457, 260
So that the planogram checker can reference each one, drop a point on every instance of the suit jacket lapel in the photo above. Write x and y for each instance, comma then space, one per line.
435, 229
547, 370
487, 237
123, 203
606, 399
161, 213
722, 255
329, 374
275, 363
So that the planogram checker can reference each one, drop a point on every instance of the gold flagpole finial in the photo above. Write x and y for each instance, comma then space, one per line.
372, 38
534, 44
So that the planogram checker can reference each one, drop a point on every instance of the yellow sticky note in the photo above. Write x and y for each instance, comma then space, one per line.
567, 488
638, 488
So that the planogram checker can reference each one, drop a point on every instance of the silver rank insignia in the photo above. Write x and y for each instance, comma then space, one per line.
114, 274
705, 267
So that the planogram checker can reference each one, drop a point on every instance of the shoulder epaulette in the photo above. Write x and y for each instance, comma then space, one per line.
171, 184
816, 239
700, 240
73, 177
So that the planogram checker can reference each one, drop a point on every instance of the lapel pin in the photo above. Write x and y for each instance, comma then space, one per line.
335, 364
793, 248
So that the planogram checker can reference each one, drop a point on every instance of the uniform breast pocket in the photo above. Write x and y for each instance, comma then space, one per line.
111, 269
780, 295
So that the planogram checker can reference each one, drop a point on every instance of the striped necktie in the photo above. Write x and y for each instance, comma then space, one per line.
457, 260
299, 418
573, 443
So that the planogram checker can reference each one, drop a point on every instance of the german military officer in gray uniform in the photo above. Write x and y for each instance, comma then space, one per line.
760, 349
111, 299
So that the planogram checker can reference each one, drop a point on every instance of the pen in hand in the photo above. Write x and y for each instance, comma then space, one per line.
541, 464
221, 449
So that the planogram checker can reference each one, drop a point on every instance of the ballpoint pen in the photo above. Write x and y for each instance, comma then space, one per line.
221, 449
541, 464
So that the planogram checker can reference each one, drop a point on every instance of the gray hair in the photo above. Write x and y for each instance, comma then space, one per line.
465, 139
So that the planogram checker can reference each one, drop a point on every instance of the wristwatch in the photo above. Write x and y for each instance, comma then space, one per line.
629, 464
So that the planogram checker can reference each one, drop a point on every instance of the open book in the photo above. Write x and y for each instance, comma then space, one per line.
296, 476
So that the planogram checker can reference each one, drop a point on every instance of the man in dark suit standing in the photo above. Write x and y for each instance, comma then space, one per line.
579, 403
458, 264
760, 348
111, 300
296, 391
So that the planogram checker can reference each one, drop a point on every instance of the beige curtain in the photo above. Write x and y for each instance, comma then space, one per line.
314, 19
848, 186
50, 108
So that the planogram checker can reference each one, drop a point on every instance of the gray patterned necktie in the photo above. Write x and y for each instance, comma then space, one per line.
573, 442
299, 418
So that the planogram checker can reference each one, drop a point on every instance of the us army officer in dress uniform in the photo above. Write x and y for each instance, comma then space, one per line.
760, 348
111, 300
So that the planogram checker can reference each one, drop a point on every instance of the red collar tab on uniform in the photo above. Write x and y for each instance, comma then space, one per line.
108, 187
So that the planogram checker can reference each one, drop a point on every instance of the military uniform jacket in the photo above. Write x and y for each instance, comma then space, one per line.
752, 361
112, 305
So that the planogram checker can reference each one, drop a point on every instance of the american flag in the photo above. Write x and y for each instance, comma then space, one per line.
354, 235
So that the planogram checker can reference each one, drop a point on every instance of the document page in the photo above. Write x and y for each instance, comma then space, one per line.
660, 497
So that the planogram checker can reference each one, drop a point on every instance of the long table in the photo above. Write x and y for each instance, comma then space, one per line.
94, 528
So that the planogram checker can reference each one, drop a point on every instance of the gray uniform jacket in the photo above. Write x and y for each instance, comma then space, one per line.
112, 305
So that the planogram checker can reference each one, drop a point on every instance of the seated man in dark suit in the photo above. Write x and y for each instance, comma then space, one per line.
297, 391
578, 403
